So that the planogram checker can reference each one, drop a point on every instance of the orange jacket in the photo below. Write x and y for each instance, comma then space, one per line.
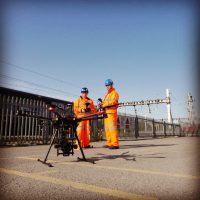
110, 99
80, 105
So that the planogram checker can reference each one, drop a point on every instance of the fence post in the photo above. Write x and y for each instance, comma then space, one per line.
164, 128
153, 129
136, 127
180, 130
2, 133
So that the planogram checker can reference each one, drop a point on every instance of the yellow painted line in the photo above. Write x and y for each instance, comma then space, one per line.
45, 172
149, 172
80, 186
123, 169
6, 158
140, 171
35, 159
26, 158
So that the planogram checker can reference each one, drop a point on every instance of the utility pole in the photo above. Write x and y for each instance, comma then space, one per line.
190, 101
169, 113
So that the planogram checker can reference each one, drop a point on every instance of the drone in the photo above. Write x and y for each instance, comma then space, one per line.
64, 136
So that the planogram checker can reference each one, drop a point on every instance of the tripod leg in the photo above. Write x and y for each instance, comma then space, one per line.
79, 144
51, 144
81, 149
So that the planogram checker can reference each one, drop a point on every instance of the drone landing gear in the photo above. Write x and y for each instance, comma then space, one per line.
45, 163
70, 149
81, 149
51, 144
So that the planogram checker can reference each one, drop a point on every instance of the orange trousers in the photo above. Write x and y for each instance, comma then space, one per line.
110, 124
83, 132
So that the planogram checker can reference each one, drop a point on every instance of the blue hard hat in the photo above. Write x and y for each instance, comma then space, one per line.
84, 90
108, 82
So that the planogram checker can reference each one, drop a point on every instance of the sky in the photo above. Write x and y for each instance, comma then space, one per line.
55, 49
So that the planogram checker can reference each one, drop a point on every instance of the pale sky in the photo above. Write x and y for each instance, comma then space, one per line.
55, 49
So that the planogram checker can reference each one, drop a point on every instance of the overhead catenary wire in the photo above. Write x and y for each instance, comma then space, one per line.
37, 73
23, 88
40, 74
38, 85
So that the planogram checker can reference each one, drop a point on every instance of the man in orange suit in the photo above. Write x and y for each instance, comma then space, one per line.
82, 107
110, 104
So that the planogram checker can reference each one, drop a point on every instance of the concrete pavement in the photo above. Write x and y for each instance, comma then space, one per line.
163, 168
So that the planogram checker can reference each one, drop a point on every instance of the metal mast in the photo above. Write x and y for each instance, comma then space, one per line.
190, 107
169, 113
153, 101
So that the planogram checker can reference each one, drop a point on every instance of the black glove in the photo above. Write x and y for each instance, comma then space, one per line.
87, 104
85, 110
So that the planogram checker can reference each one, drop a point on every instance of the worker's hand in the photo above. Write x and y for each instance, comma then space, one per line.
102, 108
85, 110
87, 104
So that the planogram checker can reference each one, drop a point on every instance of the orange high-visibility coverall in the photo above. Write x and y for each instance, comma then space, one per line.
83, 129
110, 123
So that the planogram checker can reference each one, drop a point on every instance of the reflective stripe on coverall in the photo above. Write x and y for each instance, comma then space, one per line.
110, 123
83, 129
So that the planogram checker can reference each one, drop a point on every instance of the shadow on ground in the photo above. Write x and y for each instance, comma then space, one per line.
125, 155
144, 145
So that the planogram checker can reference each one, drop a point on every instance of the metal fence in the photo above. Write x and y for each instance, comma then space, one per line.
133, 127
29, 130
23, 129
